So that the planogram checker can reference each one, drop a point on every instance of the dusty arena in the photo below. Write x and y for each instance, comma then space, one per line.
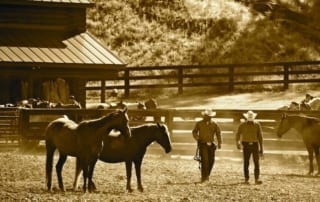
165, 178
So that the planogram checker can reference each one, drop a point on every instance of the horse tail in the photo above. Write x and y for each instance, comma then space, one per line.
50, 148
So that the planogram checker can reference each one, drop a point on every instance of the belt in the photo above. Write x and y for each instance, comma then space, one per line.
207, 143
250, 143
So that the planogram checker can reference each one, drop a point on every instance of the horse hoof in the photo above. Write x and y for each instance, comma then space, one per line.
140, 189
129, 190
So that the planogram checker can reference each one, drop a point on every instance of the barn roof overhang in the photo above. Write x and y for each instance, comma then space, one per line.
79, 56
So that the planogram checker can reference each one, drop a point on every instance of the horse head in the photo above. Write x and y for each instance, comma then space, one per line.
284, 125
163, 138
121, 121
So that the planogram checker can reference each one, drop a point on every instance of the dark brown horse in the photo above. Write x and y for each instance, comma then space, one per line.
309, 128
83, 140
116, 149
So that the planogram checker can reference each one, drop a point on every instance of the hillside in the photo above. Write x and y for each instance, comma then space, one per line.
163, 32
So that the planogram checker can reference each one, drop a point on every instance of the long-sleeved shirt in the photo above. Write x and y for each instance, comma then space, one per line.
204, 131
250, 131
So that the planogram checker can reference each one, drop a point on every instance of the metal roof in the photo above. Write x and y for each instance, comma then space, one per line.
78, 51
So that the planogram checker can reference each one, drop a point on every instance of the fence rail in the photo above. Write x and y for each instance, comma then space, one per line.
220, 75
180, 122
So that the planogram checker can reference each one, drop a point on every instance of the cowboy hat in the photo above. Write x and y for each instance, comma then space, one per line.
250, 115
208, 112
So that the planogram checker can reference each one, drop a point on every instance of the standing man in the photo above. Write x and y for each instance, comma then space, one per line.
203, 133
249, 135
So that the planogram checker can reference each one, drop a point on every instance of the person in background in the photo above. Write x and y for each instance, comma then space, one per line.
151, 103
73, 101
307, 99
249, 136
203, 133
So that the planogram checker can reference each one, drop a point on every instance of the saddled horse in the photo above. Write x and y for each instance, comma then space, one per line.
117, 149
309, 128
83, 140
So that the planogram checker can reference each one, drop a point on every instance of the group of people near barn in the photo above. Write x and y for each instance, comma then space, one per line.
249, 138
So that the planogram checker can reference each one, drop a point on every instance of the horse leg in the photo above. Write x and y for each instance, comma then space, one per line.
310, 155
49, 162
77, 174
91, 185
137, 165
316, 152
59, 166
85, 171
128, 171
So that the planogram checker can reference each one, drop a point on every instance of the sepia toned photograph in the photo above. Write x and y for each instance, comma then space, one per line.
159, 100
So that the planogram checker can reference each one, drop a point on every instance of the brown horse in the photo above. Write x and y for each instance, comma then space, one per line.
83, 140
116, 149
309, 128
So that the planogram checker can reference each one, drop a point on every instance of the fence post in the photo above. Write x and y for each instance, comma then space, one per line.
180, 80
286, 76
126, 83
23, 122
103, 91
231, 78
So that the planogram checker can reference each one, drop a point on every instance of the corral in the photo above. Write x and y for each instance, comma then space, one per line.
29, 125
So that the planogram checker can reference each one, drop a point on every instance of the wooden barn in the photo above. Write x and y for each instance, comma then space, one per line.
46, 52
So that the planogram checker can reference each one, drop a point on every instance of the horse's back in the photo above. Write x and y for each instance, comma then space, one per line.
118, 149
61, 133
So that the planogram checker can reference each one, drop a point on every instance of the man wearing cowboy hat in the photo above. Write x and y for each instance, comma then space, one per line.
203, 133
249, 135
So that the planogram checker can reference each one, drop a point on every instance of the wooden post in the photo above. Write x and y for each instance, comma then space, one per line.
231, 78
126, 83
103, 91
169, 121
180, 80
286, 77
23, 122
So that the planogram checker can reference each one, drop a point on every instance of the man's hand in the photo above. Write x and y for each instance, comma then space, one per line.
238, 145
261, 152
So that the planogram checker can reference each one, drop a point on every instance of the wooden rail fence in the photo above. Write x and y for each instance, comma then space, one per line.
227, 76
179, 122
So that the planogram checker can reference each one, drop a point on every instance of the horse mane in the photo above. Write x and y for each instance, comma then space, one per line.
310, 120
99, 122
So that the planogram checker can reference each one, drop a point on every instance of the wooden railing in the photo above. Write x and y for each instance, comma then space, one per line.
227, 76
180, 123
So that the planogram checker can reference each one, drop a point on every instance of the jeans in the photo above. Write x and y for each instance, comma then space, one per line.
207, 154
248, 150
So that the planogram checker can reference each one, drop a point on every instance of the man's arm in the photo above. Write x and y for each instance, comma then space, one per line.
238, 136
260, 138
195, 132
218, 134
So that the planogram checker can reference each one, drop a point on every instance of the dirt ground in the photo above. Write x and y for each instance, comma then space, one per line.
22, 177
22, 174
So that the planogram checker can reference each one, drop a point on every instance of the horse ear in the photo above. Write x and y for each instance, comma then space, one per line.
158, 124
